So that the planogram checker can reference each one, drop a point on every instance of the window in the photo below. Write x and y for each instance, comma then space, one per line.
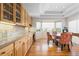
38, 25
73, 26
77, 26
58, 26
48, 26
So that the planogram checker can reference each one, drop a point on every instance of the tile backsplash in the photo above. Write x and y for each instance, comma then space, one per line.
10, 31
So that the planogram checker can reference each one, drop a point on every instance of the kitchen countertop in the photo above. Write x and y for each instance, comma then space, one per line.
9, 41
12, 40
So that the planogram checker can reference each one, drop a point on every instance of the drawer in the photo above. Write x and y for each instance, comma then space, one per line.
24, 39
17, 43
9, 53
6, 49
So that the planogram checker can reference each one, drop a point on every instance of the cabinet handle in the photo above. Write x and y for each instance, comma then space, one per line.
3, 53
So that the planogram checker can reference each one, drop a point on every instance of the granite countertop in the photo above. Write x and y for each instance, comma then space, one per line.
9, 41
13, 39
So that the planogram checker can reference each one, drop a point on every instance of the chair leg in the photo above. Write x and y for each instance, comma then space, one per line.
48, 42
53, 40
62, 47
68, 47
56, 43
71, 43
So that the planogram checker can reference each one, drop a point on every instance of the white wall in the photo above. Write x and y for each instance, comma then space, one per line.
75, 17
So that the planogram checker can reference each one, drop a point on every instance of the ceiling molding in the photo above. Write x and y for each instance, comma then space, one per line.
36, 12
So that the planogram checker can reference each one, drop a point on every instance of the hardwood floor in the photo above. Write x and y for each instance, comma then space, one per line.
41, 48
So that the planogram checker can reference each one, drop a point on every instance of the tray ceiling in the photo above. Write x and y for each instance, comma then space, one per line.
51, 10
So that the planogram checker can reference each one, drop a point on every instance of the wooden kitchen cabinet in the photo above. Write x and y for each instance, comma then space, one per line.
24, 46
23, 13
0, 11
29, 20
7, 51
21, 47
13, 13
6, 14
18, 13
18, 48
29, 43
26, 18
